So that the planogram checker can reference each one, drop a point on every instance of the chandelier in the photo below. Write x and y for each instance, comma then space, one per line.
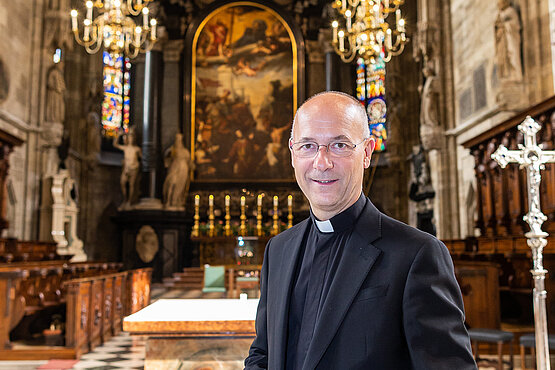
115, 28
364, 30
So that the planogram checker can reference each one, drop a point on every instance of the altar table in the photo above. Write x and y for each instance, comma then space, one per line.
195, 333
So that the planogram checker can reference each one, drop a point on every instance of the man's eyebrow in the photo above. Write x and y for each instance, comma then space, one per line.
339, 137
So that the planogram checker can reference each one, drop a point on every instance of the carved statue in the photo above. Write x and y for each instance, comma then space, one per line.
430, 132
422, 192
131, 164
507, 42
178, 159
55, 91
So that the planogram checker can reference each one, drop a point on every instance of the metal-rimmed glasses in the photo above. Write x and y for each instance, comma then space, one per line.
338, 148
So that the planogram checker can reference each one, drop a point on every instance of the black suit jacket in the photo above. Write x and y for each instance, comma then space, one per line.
394, 303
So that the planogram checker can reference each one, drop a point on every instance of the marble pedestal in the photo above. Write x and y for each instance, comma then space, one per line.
195, 333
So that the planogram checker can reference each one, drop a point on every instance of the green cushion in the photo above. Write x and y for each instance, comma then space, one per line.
214, 279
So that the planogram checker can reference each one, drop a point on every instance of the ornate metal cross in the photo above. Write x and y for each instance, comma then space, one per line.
533, 158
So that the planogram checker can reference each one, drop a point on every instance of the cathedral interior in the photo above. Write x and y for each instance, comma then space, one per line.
154, 152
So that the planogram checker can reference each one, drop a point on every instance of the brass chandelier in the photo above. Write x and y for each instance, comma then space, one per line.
114, 28
364, 30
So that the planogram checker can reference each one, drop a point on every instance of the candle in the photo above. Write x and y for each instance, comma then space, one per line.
227, 200
259, 200
137, 36
343, 5
153, 29
89, 9
145, 17
242, 201
341, 41
388, 39
211, 200
275, 201
197, 200
348, 16
73, 20
289, 200
334, 25
397, 16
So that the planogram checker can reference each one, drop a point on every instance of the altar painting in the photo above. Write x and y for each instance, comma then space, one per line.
244, 95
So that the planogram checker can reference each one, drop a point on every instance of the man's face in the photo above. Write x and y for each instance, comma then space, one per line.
331, 184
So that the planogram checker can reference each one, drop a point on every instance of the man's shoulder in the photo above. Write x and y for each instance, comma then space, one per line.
401, 234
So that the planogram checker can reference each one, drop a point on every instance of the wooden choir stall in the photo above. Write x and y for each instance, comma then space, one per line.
53, 308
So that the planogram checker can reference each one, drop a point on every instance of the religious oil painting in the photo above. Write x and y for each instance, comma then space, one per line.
244, 95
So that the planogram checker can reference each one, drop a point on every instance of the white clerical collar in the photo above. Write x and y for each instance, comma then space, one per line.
324, 226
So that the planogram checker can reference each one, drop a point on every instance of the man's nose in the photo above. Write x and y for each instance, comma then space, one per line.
322, 161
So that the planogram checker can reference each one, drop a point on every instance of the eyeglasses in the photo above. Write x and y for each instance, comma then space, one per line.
308, 149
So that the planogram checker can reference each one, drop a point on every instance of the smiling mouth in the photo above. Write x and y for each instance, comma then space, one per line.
324, 182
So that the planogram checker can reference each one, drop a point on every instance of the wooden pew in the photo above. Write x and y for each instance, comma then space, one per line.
95, 306
11, 308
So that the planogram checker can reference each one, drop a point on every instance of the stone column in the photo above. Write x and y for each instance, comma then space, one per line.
151, 131
171, 98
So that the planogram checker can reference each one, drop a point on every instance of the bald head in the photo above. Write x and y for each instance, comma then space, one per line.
337, 103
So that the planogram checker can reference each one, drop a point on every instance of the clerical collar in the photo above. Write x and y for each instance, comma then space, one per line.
341, 221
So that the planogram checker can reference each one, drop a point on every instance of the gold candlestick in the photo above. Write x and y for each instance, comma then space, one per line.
275, 226
259, 216
211, 215
227, 217
290, 211
243, 227
196, 218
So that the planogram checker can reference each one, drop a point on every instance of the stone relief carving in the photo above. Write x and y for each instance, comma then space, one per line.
55, 91
178, 161
508, 42
132, 155
146, 243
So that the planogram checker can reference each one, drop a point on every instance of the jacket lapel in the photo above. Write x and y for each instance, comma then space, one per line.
357, 260
287, 262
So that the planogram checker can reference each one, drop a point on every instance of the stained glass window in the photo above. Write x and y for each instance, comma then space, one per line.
371, 93
115, 107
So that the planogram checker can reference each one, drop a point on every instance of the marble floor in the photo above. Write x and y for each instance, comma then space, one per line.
128, 352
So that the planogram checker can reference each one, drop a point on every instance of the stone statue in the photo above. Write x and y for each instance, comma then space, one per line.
93, 126
430, 131
422, 192
55, 91
178, 161
131, 164
507, 42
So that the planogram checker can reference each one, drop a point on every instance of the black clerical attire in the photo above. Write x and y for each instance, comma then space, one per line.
374, 294
323, 246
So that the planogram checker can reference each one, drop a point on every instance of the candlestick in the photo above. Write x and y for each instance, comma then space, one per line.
275, 226
259, 216
227, 217
289, 211
243, 218
211, 215
196, 218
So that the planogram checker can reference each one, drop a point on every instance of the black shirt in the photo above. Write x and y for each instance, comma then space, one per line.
322, 249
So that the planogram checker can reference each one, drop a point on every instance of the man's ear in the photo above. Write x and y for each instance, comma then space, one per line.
368, 149
291, 152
